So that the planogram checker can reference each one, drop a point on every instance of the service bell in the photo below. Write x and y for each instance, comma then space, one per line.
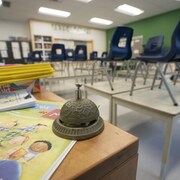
79, 119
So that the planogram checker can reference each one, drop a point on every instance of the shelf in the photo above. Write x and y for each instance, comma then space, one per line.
43, 43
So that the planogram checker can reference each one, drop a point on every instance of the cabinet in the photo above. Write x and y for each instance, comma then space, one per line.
43, 43
14, 52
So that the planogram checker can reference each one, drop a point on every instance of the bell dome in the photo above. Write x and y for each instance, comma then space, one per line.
79, 119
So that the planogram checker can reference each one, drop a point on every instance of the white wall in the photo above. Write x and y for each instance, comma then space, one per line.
71, 32
16, 29
19, 29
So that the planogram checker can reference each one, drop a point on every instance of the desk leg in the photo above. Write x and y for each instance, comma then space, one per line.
85, 94
166, 149
111, 110
114, 113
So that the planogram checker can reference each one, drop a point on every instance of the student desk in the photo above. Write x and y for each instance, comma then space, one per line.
120, 86
157, 104
110, 155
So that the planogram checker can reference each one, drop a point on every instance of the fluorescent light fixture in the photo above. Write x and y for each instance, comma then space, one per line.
0, 2
85, 1
53, 12
100, 21
129, 10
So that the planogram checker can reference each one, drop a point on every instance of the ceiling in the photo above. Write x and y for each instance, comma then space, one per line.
23, 10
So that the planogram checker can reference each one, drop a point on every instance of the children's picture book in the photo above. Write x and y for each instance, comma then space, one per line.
16, 100
28, 147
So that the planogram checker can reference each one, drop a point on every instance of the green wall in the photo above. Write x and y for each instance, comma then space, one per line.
162, 24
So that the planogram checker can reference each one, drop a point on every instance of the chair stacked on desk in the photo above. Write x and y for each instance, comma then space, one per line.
93, 55
81, 58
70, 54
118, 52
172, 56
58, 52
58, 56
153, 47
35, 56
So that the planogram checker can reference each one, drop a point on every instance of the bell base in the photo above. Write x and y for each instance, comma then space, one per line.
79, 133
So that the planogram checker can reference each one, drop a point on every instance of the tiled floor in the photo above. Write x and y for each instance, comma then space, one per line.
150, 132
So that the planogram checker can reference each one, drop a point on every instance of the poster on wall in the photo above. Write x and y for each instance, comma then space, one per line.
3, 49
25, 49
16, 50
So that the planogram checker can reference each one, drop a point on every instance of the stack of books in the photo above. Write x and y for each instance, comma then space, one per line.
16, 100
13, 96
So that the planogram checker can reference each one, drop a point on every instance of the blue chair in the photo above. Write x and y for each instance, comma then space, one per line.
93, 55
172, 56
70, 54
120, 50
35, 56
104, 54
81, 53
58, 52
154, 45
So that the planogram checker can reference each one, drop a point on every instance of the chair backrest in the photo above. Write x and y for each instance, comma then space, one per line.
35, 56
104, 54
154, 45
70, 55
174, 50
175, 41
93, 55
81, 52
58, 52
120, 47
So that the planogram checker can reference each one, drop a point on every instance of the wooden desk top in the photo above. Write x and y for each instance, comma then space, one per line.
107, 150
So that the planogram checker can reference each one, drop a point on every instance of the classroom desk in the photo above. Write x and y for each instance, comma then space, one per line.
120, 86
110, 155
157, 104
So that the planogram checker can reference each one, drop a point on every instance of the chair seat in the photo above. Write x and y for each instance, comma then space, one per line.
150, 58
158, 58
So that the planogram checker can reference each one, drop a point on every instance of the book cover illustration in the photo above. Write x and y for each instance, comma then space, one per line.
28, 147
32, 86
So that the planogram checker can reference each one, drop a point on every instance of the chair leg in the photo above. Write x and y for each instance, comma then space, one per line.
176, 77
154, 79
144, 64
166, 85
147, 73
107, 75
93, 69
134, 78
114, 71
165, 69
128, 70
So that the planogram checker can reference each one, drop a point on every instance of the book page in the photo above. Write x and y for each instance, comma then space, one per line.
16, 99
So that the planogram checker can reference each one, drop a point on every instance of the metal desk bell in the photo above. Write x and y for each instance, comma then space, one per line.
79, 119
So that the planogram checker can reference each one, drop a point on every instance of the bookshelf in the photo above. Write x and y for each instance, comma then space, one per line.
43, 43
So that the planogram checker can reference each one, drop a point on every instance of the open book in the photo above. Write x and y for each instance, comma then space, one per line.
16, 100
28, 147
